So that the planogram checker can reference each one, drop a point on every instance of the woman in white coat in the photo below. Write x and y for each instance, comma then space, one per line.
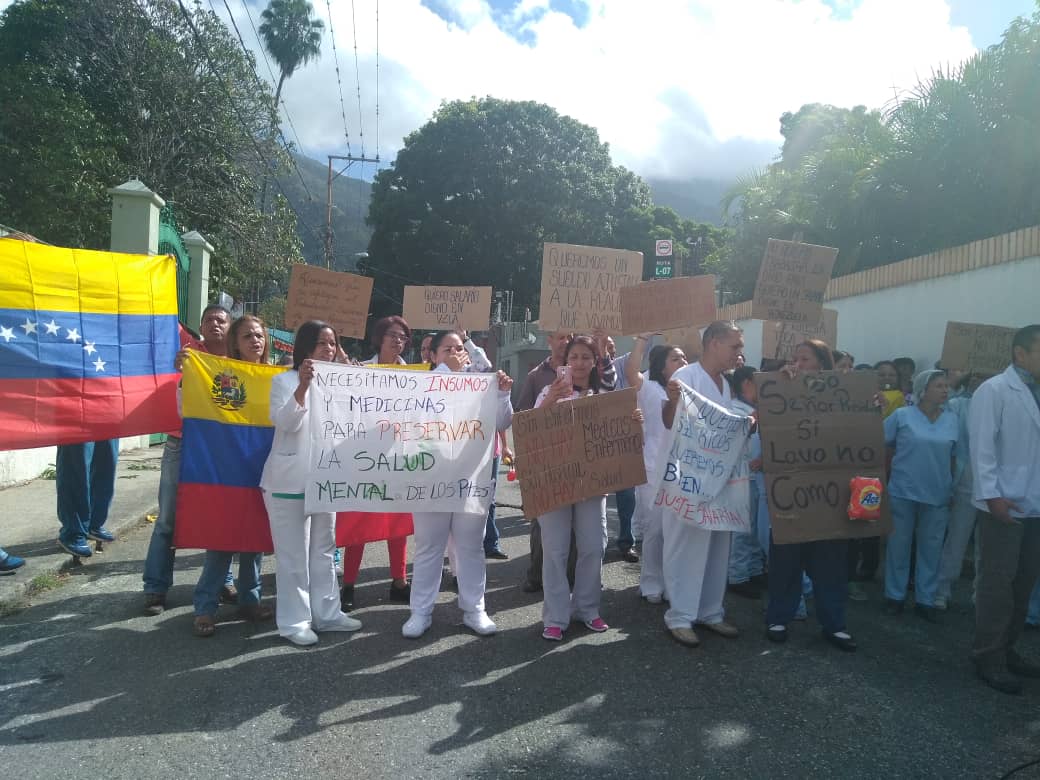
308, 596
665, 360
432, 529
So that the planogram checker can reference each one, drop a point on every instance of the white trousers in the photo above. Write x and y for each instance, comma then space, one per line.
431, 536
588, 519
308, 595
696, 565
958, 534
651, 569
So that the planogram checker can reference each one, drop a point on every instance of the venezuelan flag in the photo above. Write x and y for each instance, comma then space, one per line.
227, 438
87, 344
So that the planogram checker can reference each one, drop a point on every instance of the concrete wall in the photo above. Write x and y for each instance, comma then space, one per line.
17, 466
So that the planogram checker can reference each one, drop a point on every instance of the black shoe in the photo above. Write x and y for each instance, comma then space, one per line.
455, 584
1020, 667
497, 555
845, 643
154, 603
998, 678
346, 597
893, 607
931, 614
746, 589
777, 633
531, 587
761, 581
403, 594
629, 554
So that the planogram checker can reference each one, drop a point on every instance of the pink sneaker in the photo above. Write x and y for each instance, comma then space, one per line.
597, 625
552, 633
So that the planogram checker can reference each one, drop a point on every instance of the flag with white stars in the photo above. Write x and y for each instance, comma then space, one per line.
87, 344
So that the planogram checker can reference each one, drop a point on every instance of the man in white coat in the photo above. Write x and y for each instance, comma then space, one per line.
696, 561
1004, 427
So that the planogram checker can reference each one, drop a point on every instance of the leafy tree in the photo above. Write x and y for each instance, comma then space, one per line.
97, 93
291, 35
476, 191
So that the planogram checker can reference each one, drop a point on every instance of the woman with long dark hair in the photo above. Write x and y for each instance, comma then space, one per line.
432, 529
665, 360
308, 598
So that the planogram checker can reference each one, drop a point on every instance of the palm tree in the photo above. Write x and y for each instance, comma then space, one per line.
292, 36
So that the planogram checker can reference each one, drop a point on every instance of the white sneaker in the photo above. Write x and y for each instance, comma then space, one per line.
940, 602
343, 623
479, 621
303, 638
654, 598
416, 626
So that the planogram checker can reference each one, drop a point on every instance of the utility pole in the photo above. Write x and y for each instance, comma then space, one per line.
351, 159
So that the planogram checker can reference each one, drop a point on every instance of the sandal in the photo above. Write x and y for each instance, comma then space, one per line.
258, 613
228, 595
204, 626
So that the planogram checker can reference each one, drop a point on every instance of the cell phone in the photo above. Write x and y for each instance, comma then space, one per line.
564, 373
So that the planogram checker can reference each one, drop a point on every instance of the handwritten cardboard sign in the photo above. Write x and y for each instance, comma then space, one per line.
819, 430
386, 440
340, 299
780, 338
688, 338
439, 308
655, 306
704, 479
792, 281
984, 349
581, 287
579, 449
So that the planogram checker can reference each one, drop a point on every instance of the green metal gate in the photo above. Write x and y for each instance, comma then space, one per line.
170, 244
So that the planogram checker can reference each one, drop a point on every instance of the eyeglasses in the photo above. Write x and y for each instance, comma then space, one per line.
396, 336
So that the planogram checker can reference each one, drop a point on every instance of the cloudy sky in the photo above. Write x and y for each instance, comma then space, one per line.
678, 88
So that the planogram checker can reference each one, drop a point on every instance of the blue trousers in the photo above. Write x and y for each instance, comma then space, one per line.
214, 572
928, 524
491, 535
86, 482
1033, 615
626, 507
746, 559
825, 563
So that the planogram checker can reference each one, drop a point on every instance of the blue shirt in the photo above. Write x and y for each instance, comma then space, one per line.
921, 466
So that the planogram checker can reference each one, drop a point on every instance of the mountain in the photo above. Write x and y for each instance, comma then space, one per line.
350, 198
696, 199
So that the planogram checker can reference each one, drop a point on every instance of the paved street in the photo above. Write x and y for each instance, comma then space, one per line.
89, 687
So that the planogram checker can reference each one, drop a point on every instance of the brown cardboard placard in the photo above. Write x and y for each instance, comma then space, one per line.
982, 349
579, 449
649, 307
819, 430
780, 338
439, 308
688, 338
581, 287
792, 281
341, 299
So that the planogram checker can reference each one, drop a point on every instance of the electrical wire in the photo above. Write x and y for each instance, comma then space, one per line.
357, 77
377, 79
339, 81
204, 49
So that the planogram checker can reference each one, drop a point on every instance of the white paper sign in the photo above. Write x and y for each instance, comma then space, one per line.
386, 440
704, 478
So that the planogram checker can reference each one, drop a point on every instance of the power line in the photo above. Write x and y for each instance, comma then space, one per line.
339, 81
234, 107
357, 77
377, 79
281, 135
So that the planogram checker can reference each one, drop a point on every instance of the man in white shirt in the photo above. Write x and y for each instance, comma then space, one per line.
696, 561
1004, 432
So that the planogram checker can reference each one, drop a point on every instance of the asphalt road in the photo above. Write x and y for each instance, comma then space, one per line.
90, 687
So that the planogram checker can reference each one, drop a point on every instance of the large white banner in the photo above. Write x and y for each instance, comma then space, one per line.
388, 440
703, 478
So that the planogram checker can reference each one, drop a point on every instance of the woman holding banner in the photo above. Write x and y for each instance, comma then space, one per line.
824, 561
390, 336
308, 600
587, 520
247, 340
432, 529
665, 360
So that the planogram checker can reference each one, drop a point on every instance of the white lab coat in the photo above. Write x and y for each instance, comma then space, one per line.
1004, 434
